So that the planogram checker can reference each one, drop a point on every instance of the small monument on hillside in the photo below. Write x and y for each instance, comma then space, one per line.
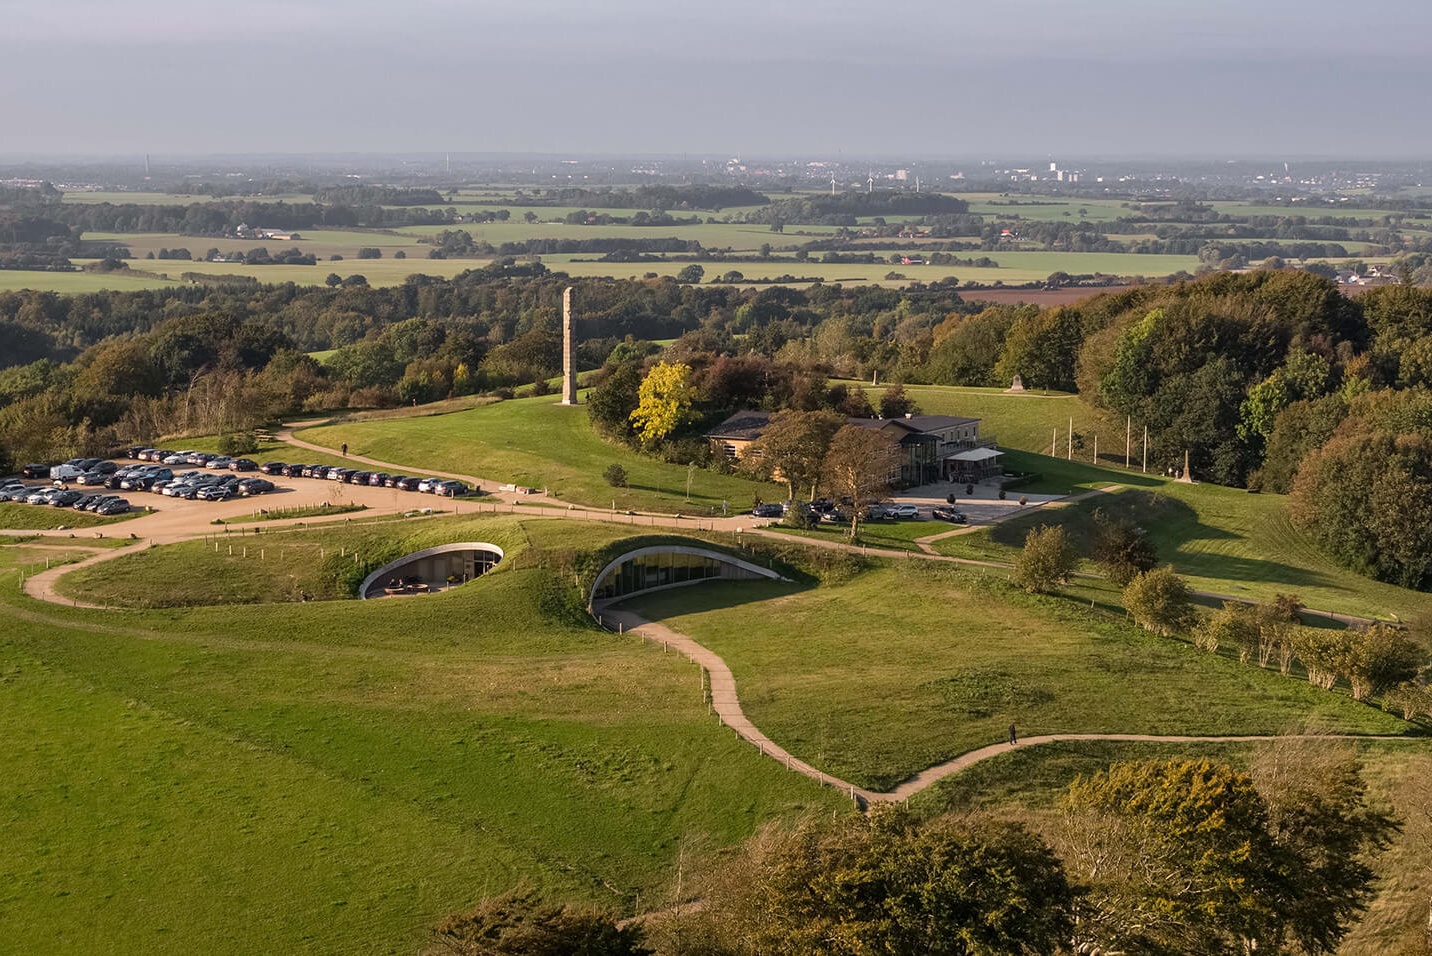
1017, 385
569, 351
1186, 475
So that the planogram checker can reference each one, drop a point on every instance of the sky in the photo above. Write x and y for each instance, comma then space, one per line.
750, 78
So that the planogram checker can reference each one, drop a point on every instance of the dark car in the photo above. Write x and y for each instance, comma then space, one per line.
947, 513
407, 484
272, 467
115, 506
378, 479
243, 464
36, 470
393, 480
254, 486
66, 498
768, 511
313, 471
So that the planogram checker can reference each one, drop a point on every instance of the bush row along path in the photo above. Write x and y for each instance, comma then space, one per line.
185, 522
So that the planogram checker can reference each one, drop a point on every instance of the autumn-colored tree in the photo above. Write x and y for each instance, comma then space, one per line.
663, 402
886, 883
857, 467
518, 924
1192, 856
792, 449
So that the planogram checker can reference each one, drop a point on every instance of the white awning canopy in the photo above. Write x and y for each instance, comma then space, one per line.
974, 454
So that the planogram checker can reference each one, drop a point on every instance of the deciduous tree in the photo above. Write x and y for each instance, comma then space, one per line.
1158, 601
792, 449
663, 402
857, 467
1045, 561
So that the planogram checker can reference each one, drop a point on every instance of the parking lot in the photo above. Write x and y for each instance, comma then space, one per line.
182, 483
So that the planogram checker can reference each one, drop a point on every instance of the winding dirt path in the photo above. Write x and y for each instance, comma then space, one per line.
727, 707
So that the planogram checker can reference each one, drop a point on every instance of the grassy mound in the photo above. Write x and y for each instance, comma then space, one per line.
911, 664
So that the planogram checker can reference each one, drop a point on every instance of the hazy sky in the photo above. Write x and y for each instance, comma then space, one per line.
962, 78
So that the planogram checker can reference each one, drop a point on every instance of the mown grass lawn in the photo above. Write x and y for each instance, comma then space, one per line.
336, 776
539, 443
1221, 539
910, 664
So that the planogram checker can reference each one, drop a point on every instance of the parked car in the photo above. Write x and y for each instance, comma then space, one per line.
272, 467
903, 510
201, 459
219, 463
115, 506
948, 513
768, 511
378, 479
254, 486
451, 488
243, 464
65, 498
36, 470
359, 477
68, 471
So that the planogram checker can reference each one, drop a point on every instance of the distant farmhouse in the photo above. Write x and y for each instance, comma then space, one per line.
244, 231
930, 447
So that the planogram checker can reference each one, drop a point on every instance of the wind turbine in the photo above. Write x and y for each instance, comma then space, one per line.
870, 183
832, 184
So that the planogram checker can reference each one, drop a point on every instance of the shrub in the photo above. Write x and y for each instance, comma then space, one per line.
615, 475
243, 443
1158, 601
1045, 561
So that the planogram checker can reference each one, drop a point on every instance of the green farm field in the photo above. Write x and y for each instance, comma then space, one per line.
541, 444
891, 672
337, 776
320, 242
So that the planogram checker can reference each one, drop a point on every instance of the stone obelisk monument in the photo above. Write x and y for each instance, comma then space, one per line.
569, 351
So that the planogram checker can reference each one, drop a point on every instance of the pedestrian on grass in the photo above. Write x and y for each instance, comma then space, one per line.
1013, 737
344, 448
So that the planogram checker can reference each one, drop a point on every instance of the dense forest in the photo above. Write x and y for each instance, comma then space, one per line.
1271, 380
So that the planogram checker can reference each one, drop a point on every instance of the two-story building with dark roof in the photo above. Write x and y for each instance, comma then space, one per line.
931, 447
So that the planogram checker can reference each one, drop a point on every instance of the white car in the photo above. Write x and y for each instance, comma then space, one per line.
66, 472
903, 511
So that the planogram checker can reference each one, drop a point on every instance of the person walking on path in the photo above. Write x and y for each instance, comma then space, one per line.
344, 448
1013, 737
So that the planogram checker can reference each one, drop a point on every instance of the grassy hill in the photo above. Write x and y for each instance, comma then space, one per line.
913, 663
542, 444
336, 776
